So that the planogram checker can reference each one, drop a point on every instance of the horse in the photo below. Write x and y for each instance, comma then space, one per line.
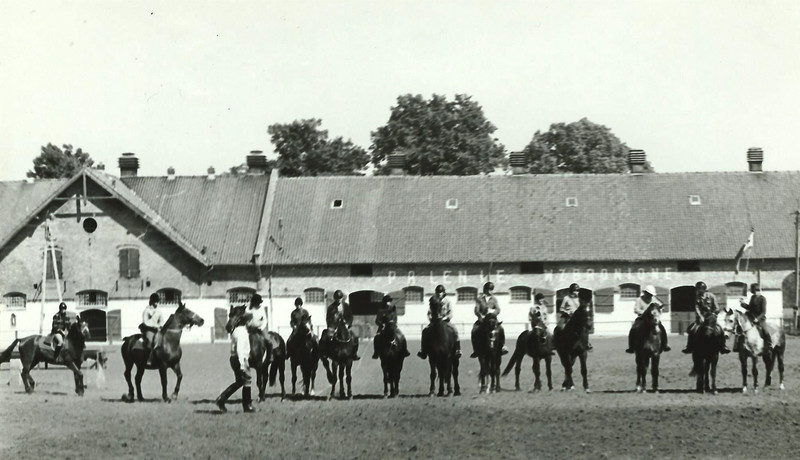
166, 354
340, 349
276, 365
538, 344
392, 352
260, 349
489, 348
36, 349
647, 347
441, 345
752, 345
304, 352
570, 341
705, 354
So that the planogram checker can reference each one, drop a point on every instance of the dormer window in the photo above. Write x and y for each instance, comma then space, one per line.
452, 203
337, 203
694, 200
572, 202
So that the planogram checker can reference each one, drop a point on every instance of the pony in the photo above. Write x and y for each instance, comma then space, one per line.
489, 348
538, 344
36, 349
340, 349
570, 341
706, 354
166, 354
392, 352
647, 347
752, 345
304, 352
441, 345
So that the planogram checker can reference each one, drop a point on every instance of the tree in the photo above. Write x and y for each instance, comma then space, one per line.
579, 147
438, 137
304, 149
54, 163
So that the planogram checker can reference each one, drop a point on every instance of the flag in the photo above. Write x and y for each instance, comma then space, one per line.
746, 247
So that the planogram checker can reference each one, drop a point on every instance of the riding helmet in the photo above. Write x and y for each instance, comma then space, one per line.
256, 300
440, 289
387, 298
700, 285
488, 287
539, 296
62, 306
574, 287
298, 301
338, 295
154, 298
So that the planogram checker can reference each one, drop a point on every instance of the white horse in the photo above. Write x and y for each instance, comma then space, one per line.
752, 346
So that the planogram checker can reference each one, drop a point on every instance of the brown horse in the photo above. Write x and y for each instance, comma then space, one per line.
707, 339
276, 365
570, 342
392, 351
340, 349
440, 341
488, 344
166, 354
304, 352
37, 349
647, 346
538, 344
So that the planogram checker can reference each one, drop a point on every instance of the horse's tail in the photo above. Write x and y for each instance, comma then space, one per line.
5, 356
273, 370
519, 353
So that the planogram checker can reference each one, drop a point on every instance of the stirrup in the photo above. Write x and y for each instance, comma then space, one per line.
630, 350
422, 355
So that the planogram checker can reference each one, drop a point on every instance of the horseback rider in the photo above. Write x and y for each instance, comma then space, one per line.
339, 308
441, 307
297, 317
643, 302
757, 312
705, 305
484, 304
538, 312
259, 322
59, 330
240, 359
569, 306
152, 321
386, 314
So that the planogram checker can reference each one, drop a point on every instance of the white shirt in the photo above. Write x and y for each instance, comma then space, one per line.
259, 320
153, 317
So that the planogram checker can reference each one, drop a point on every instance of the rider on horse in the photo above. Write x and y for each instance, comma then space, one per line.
258, 324
643, 302
705, 305
339, 308
298, 316
59, 330
538, 312
570, 305
152, 321
484, 304
757, 312
439, 306
386, 314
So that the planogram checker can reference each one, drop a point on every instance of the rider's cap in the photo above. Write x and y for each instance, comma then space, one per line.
488, 287
256, 300
298, 301
700, 285
62, 306
574, 287
649, 289
440, 289
387, 298
154, 298
338, 295
539, 296
755, 287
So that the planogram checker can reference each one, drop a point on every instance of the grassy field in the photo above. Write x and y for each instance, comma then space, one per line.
612, 422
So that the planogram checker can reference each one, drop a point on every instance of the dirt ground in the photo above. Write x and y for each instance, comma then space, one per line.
611, 422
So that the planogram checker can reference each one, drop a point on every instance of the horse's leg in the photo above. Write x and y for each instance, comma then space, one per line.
517, 369
281, 374
178, 377
755, 374
333, 382
548, 361
293, 365
348, 369
537, 372
656, 360
342, 369
454, 371
162, 372
743, 365
584, 372
127, 374
140, 367
433, 377
385, 378
78, 375
639, 372
713, 374
779, 357
26, 376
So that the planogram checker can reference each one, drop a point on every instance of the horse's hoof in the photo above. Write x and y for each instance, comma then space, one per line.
655, 391
587, 390
457, 393
516, 388
755, 391
639, 389
782, 387
431, 394
312, 393
744, 390
715, 392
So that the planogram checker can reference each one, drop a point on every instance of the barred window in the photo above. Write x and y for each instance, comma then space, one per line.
169, 296
520, 294
240, 295
629, 291
49, 256
413, 294
314, 295
91, 298
129, 263
467, 294
15, 300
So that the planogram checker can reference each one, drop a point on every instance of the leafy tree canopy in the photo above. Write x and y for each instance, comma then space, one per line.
54, 162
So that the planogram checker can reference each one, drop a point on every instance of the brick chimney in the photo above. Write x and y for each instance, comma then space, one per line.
637, 161
100, 167
755, 158
170, 173
128, 165
396, 164
212, 174
256, 162
518, 162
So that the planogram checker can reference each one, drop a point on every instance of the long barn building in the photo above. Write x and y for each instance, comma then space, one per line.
212, 241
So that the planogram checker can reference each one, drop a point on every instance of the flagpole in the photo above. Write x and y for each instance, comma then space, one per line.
44, 280
796, 266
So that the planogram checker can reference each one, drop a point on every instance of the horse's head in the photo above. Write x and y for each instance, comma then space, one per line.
186, 317
79, 329
539, 327
652, 315
235, 317
491, 329
305, 320
342, 332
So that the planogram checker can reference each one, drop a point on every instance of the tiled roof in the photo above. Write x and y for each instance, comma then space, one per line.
20, 199
525, 218
219, 217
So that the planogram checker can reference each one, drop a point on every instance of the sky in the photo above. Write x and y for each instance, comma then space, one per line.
196, 84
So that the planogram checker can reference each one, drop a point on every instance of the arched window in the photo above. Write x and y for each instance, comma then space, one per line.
314, 295
240, 295
169, 296
520, 294
413, 294
466, 294
15, 300
736, 289
629, 291
129, 262
91, 298
50, 273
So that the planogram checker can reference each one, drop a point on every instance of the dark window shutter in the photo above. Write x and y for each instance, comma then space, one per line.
604, 300
133, 263
123, 263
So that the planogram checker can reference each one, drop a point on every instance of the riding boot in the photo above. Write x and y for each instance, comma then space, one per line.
664, 342
689, 343
723, 348
630, 342
226, 393
355, 353
56, 352
375, 347
247, 401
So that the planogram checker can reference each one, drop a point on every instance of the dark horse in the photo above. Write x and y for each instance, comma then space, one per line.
392, 352
36, 349
260, 349
707, 339
570, 342
340, 349
440, 341
538, 344
647, 346
304, 352
276, 365
489, 347
166, 354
